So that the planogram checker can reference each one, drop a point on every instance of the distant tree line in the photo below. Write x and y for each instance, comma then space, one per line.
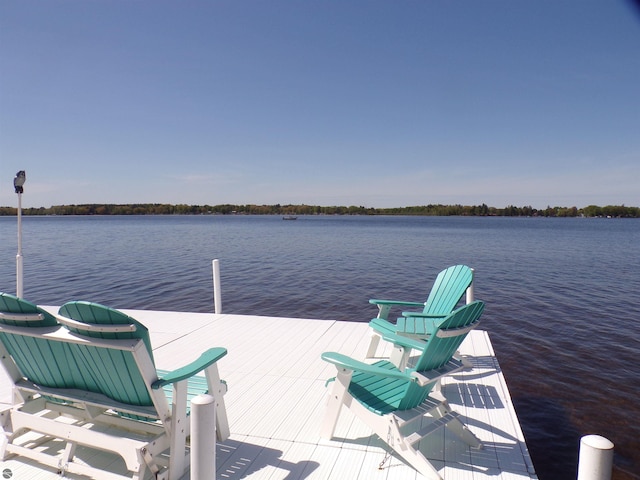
620, 211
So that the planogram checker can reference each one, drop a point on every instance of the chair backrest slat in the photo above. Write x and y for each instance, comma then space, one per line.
37, 358
11, 304
439, 349
449, 287
93, 314
115, 372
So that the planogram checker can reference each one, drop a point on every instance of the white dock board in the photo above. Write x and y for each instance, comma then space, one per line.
276, 399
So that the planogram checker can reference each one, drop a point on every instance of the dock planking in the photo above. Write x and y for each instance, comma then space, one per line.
276, 400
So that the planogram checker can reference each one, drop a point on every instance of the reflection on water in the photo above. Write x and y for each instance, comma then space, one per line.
562, 294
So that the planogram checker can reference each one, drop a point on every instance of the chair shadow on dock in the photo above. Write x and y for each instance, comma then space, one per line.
481, 366
484, 362
494, 458
501, 451
474, 395
236, 460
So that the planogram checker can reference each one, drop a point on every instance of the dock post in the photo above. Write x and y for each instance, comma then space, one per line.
19, 262
203, 438
596, 458
470, 293
18, 183
217, 297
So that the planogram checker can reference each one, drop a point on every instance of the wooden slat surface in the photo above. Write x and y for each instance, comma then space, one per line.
276, 398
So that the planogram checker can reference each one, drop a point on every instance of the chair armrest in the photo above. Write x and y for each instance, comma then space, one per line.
396, 303
384, 306
205, 360
348, 363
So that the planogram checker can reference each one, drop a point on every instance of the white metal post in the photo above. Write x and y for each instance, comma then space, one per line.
203, 438
596, 458
217, 297
19, 255
18, 184
470, 292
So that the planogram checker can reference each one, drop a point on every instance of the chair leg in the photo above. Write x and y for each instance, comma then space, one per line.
179, 426
387, 427
69, 452
400, 357
463, 432
334, 403
405, 449
417, 460
373, 344
217, 388
454, 424
5, 418
148, 462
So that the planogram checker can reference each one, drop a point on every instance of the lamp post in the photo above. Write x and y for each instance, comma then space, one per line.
18, 182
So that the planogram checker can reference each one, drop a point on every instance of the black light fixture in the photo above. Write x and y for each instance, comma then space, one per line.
19, 180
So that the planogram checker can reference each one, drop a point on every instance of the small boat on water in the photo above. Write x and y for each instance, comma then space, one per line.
289, 217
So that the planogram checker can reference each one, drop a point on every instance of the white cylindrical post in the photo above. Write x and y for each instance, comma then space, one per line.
217, 297
19, 254
203, 438
470, 294
596, 458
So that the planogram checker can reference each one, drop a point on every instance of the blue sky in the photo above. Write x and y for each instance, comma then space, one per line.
373, 103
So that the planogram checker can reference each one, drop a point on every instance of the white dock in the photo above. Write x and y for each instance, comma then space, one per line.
276, 398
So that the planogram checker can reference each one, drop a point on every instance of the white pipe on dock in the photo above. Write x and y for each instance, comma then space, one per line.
217, 297
596, 458
470, 292
203, 438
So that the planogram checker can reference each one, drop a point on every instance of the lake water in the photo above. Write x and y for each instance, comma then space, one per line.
562, 295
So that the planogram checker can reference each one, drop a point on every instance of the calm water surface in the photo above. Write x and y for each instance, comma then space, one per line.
563, 295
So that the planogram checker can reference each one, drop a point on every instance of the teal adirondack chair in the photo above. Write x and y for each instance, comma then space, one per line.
395, 402
94, 364
447, 291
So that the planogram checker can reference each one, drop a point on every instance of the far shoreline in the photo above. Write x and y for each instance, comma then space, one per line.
439, 210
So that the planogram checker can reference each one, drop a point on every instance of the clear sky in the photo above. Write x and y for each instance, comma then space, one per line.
356, 102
